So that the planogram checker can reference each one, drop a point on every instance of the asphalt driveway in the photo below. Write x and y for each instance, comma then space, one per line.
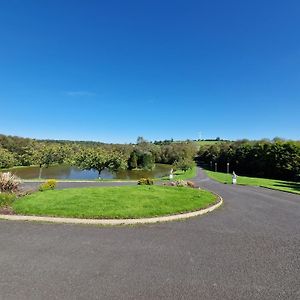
247, 249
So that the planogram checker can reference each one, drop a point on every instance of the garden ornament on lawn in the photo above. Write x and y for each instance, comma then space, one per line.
234, 177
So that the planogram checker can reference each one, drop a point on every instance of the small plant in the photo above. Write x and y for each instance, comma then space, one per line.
145, 181
181, 183
9, 183
48, 185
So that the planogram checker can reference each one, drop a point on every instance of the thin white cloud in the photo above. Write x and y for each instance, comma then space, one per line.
80, 93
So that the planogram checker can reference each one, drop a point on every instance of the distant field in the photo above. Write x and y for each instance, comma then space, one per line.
208, 143
281, 185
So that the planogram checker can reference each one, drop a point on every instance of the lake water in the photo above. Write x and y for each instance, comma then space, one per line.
71, 172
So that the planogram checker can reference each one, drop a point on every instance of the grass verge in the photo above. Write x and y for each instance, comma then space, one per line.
78, 180
183, 175
281, 185
114, 202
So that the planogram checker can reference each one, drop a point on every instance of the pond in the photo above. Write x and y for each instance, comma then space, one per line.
71, 172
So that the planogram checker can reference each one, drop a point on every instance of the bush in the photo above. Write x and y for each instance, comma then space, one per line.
145, 181
9, 183
48, 185
181, 183
190, 184
6, 199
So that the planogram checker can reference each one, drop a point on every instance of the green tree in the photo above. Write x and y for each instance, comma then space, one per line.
133, 161
140, 140
147, 161
7, 159
99, 159
46, 155
184, 164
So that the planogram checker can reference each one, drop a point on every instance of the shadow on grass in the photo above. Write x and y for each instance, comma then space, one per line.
290, 185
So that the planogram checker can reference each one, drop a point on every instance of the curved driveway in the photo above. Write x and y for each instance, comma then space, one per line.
247, 249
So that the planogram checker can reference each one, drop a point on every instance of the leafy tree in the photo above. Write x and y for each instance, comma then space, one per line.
133, 161
140, 140
46, 155
146, 161
277, 159
7, 159
184, 164
99, 159
26, 158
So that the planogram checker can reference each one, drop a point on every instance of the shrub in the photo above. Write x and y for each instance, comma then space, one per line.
48, 185
9, 183
145, 181
181, 183
190, 184
6, 199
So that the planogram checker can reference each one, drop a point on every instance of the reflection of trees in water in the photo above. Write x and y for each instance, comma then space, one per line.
134, 174
59, 172
158, 171
27, 172
70, 172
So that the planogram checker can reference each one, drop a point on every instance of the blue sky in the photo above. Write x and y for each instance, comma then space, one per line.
114, 70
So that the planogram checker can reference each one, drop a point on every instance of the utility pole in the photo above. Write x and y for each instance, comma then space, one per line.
200, 135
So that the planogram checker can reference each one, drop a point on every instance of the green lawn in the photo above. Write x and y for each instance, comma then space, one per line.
114, 202
286, 186
183, 175
78, 180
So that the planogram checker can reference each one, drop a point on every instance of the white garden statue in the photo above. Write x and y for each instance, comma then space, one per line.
234, 178
171, 174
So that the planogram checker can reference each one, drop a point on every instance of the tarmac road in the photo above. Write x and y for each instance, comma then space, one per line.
247, 249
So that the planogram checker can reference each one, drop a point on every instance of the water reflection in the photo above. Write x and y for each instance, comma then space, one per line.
71, 172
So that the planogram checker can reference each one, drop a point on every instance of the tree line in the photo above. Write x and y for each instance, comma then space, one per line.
17, 151
276, 159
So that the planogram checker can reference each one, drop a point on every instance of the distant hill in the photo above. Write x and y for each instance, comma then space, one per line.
211, 142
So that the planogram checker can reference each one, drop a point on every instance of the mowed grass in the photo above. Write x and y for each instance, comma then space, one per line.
281, 185
114, 202
183, 175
